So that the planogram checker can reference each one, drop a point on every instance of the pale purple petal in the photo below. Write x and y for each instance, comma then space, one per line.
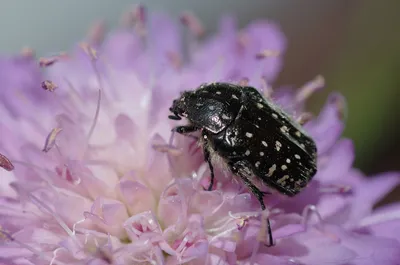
95, 176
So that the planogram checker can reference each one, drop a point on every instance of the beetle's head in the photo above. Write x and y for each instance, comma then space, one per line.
179, 107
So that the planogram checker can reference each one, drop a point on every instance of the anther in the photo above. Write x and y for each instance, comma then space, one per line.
244, 81
342, 189
309, 88
135, 18
89, 50
267, 53
48, 61
6, 163
51, 139
49, 86
28, 52
96, 32
341, 106
304, 118
193, 23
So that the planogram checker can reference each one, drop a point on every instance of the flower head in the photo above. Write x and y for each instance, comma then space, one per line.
93, 176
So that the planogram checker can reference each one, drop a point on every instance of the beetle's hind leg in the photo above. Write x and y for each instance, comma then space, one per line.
270, 239
239, 170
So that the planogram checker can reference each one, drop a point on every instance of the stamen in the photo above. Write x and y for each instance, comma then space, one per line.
73, 93
266, 88
222, 234
55, 256
28, 52
96, 32
45, 62
175, 59
307, 211
193, 23
341, 106
89, 50
267, 53
345, 189
242, 221
93, 55
304, 118
170, 162
6, 163
165, 148
49, 86
135, 18
96, 117
63, 225
10, 238
75, 224
309, 88
48, 173
244, 81
51, 139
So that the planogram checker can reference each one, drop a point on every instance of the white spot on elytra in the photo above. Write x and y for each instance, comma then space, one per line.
278, 145
271, 170
234, 96
199, 104
261, 153
211, 107
247, 152
298, 134
225, 117
297, 156
218, 92
260, 106
284, 167
274, 115
205, 136
257, 164
288, 161
284, 129
282, 180
249, 135
264, 143
256, 126
259, 118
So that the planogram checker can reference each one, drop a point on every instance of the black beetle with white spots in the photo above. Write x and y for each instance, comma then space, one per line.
256, 140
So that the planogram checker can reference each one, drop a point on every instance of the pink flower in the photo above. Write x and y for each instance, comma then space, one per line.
94, 176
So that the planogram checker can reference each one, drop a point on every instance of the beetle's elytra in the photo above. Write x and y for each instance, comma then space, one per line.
257, 140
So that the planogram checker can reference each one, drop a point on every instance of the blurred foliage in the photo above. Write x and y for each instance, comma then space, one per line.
367, 73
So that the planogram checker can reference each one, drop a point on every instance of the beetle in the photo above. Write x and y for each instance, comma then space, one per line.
253, 138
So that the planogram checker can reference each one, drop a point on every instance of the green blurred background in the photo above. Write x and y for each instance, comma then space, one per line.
355, 44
